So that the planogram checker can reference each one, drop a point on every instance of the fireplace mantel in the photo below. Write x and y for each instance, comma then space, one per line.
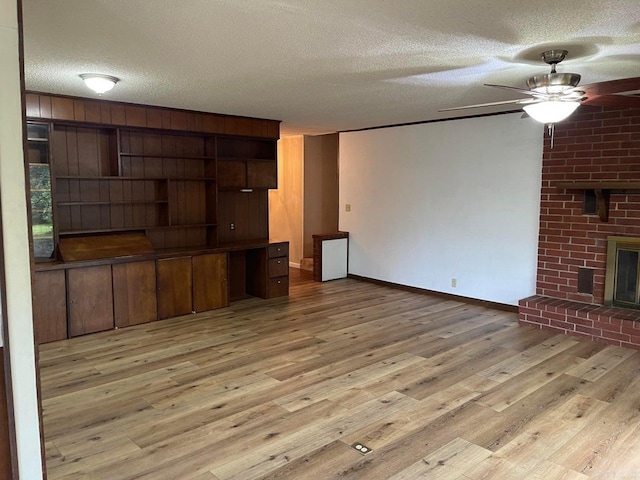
602, 189
599, 185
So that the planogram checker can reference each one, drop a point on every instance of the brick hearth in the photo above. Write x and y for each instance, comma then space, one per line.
596, 144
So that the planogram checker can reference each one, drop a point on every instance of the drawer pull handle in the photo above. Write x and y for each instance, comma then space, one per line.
279, 282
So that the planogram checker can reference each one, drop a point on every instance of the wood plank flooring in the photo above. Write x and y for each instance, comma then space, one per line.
281, 389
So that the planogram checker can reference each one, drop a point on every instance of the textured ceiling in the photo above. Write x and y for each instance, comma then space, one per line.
323, 65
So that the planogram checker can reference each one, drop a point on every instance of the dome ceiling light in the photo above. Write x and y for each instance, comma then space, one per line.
99, 83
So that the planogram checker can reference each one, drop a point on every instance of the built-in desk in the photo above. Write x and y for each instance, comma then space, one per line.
78, 297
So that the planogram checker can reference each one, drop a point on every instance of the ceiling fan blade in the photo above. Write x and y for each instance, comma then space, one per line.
620, 101
612, 86
516, 89
490, 104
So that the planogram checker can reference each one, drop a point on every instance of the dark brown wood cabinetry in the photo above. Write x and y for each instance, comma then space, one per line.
89, 299
270, 267
50, 306
244, 163
210, 286
278, 270
152, 213
134, 293
174, 287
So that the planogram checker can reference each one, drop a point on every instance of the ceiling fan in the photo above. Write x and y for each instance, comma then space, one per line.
554, 96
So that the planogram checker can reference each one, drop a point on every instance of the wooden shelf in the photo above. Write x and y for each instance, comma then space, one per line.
105, 230
178, 157
115, 177
602, 189
117, 202
244, 159
599, 185
191, 179
107, 177
181, 225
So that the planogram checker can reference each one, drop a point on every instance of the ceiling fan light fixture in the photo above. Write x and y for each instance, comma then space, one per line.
553, 83
99, 83
551, 111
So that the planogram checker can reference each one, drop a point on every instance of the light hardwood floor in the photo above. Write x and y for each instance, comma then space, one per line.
281, 389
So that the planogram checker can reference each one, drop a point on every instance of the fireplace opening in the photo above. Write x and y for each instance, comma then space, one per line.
622, 284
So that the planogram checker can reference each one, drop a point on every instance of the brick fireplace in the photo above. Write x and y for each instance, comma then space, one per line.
596, 151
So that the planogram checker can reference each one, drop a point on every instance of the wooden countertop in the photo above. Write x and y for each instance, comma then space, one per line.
158, 254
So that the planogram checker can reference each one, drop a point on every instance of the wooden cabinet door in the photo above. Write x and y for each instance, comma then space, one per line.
210, 287
90, 299
232, 173
262, 174
174, 287
50, 306
134, 293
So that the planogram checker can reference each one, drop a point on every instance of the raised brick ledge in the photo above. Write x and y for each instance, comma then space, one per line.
616, 326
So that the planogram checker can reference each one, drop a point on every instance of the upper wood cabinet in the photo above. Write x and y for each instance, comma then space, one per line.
247, 163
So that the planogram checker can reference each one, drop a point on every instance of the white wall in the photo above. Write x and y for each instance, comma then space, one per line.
456, 199
16, 250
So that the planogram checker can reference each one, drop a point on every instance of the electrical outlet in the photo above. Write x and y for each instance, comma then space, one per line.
232, 226
347, 207
454, 282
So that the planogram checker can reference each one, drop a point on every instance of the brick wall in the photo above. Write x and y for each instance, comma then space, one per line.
594, 144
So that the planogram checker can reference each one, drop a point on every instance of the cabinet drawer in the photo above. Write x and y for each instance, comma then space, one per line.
278, 250
278, 267
278, 287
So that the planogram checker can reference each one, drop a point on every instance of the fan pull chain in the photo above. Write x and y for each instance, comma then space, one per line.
551, 130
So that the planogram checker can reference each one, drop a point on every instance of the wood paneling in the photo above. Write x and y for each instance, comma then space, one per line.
247, 211
210, 286
134, 293
257, 268
174, 287
286, 218
50, 306
136, 116
82, 151
237, 275
320, 203
262, 174
32, 105
90, 299
91, 110
62, 108
232, 173
46, 106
